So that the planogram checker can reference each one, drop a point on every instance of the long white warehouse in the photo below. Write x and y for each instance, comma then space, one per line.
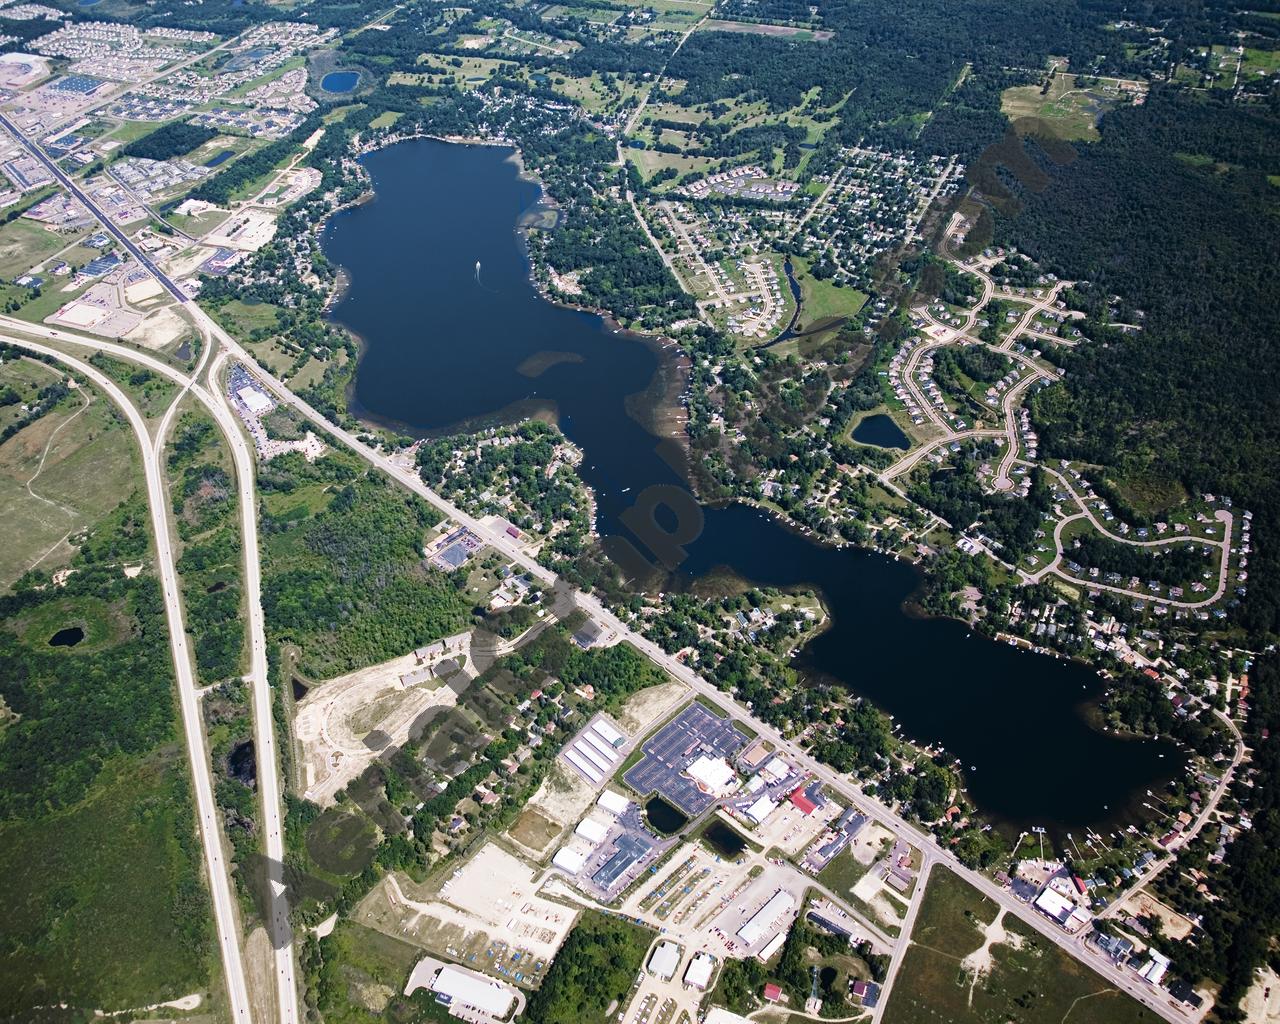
471, 990
585, 751
764, 920
583, 765
609, 753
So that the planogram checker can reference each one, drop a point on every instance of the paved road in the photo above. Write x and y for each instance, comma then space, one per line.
1126, 981
93, 208
263, 719
224, 905
1055, 566
908, 926
506, 546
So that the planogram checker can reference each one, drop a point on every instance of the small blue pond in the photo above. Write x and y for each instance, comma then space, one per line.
340, 81
881, 431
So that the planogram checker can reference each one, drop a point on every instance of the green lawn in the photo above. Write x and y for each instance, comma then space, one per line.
822, 300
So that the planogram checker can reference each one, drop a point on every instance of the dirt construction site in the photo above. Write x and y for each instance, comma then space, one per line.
487, 915
342, 725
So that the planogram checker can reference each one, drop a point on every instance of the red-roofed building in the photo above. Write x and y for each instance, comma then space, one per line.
772, 992
801, 801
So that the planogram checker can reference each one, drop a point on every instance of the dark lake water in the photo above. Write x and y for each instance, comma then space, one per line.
340, 81
663, 816
445, 344
68, 637
881, 431
724, 840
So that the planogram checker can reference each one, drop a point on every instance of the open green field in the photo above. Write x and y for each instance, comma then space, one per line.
242, 319
1030, 981
821, 300
1257, 63
362, 971
24, 243
1072, 112
58, 475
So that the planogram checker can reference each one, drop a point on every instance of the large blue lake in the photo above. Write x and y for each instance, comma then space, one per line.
454, 333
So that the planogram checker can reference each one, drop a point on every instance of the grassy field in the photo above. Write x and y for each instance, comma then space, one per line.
24, 243
822, 300
363, 972
1031, 981
242, 319
58, 475
1073, 113
99, 860
93, 896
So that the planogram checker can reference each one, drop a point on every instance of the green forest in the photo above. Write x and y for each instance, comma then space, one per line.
595, 967
344, 578
97, 830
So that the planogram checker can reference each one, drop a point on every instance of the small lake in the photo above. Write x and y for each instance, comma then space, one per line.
881, 431
220, 158
724, 840
340, 81
1023, 726
665, 818
68, 637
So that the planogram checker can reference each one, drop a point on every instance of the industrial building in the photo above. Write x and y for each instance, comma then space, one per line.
466, 989
767, 918
698, 973
664, 960
614, 803
592, 831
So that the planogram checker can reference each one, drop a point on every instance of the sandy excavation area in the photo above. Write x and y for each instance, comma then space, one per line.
345, 723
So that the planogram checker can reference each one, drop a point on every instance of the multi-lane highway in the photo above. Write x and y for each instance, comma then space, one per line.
220, 887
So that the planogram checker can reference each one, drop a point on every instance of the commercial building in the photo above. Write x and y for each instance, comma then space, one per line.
665, 960
771, 947
767, 918
569, 859
759, 811
713, 775
614, 803
592, 831
467, 989
698, 973
1154, 969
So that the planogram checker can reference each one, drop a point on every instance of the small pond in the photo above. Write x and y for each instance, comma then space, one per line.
881, 431
666, 819
220, 158
68, 637
340, 81
724, 840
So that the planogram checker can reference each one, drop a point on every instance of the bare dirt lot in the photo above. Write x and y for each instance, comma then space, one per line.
335, 720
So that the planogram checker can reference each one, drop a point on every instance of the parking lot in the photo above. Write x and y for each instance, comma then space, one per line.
694, 732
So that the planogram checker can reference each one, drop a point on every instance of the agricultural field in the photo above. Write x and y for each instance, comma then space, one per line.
971, 964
